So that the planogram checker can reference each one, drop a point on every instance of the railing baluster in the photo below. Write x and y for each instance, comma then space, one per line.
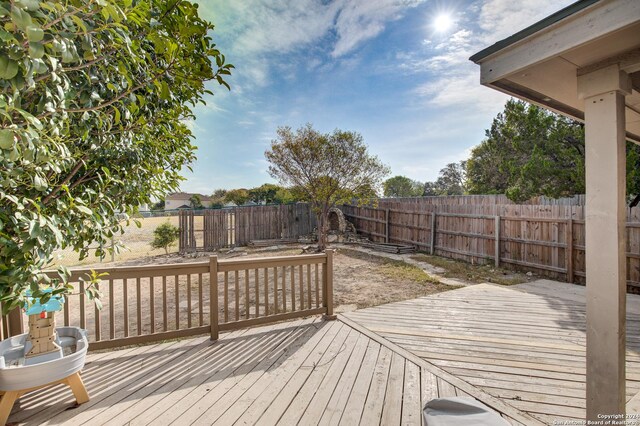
112, 318
284, 289
83, 319
293, 289
200, 301
317, 289
247, 314
67, 308
125, 305
266, 292
309, 286
237, 296
97, 317
226, 296
152, 306
176, 283
257, 292
301, 277
188, 300
164, 303
139, 305
275, 290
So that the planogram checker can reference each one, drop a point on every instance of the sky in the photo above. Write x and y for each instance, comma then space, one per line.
391, 70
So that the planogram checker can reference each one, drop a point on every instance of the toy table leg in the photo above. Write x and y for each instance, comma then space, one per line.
6, 404
77, 387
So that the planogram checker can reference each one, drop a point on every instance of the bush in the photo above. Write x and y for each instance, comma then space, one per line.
165, 235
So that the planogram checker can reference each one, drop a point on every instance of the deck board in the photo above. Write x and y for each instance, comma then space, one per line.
524, 348
306, 371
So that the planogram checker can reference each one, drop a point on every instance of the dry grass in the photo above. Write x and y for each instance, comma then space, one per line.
137, 242
472, 273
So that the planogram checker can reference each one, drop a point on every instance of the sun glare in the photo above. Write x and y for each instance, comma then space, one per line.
442, 22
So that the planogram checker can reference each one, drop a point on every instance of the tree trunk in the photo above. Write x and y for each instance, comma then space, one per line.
322, 229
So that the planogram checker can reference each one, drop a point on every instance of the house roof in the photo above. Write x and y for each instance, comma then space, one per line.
540, 25
541, 64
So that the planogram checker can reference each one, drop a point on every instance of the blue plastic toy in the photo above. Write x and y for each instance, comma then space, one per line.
54, 304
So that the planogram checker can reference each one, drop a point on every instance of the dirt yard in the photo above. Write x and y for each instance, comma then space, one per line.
360, 279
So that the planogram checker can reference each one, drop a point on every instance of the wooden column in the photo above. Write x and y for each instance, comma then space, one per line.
603, 92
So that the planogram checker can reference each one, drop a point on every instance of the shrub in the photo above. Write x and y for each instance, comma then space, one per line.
165, 235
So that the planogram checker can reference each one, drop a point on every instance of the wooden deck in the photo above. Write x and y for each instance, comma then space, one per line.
525, 345
307, 372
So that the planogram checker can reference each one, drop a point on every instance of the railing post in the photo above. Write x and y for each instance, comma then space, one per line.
14, 319
213, 297
497, 242
433, 232
327, 288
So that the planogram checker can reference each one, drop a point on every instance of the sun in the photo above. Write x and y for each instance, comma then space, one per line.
442, 22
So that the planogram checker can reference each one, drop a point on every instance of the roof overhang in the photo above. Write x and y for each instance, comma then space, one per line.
541, 64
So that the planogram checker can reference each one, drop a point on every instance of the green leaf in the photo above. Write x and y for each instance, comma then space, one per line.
6, 139
34, 34
21, 18
84, 210
36, 50
8, 68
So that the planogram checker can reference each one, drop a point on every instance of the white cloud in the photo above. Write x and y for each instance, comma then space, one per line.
360, 20
500, 18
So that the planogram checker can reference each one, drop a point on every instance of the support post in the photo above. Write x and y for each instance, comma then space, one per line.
433, 233
213, 297
603, 92
327, 288
497, 241
386, 229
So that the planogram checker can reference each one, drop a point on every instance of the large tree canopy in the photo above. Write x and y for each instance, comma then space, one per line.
94, 95
324, 169
528, 151
402, 186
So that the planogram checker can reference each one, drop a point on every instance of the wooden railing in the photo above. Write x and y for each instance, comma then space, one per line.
159, 302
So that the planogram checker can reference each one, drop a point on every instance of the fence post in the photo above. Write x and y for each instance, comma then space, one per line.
433, 232
386, 229
497, 242
569, 250
327, 288
213, 297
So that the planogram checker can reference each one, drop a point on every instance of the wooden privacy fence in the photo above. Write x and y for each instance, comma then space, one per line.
157, 302
209, 230
547, 239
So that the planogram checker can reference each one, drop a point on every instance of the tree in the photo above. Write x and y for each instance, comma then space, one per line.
195, 201
265, 193
451, 180
93, 101
528, 152
402, 186
327, 169
164, 236
159, 205
237, 196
